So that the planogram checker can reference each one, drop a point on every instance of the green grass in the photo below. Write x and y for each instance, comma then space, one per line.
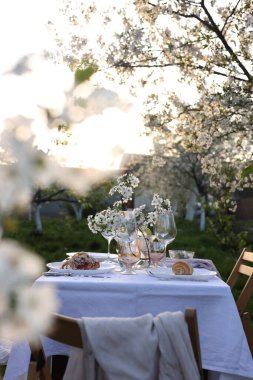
59, 236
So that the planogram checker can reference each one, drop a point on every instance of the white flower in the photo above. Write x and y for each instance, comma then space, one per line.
25, 310
107, 220
103, 221
125, 185
17, 264
156, 201
32, 314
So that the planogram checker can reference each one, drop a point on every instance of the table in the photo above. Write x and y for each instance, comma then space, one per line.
223, 343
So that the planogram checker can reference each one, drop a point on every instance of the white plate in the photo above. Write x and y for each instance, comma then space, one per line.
104, 268
199, 274
97, 255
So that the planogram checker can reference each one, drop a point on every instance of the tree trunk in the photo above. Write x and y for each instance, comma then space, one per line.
37, 219
202, 221
78, 210
29, 213
190, 207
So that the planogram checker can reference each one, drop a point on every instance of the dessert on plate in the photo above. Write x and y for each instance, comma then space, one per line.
81, 260
182, 267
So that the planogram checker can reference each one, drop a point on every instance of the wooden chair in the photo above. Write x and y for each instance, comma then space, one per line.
244, 268
66, 330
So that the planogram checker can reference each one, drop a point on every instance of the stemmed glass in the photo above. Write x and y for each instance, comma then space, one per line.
157, 252
126, 229
165, 228
126, 234
129, 254
109, 236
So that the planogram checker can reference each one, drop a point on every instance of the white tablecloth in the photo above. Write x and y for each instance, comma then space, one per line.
223, 343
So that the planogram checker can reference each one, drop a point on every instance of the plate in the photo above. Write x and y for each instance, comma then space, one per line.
104, 268
97, 255
199, 274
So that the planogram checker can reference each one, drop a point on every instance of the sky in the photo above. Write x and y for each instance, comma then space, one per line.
118, 127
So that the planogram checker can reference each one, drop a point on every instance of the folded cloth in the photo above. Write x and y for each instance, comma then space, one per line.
5, 348
196, 263
145, 347
115, 348
177, 359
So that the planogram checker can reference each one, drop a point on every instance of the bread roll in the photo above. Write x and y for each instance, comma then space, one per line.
182, 267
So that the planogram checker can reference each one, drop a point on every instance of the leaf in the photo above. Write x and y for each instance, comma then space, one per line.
248, 170
82, 75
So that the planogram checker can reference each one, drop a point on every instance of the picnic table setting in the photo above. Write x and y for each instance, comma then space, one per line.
126, 190
106, 292
140, 279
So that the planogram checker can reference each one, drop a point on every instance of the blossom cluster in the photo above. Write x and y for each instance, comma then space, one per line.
108, 220
103, 222
126, 184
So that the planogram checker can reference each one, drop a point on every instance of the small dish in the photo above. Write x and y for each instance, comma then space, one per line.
104, 268
199, 274
181, 254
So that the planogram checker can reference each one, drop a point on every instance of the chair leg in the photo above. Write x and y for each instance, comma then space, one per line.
192, 322
245, 317
41, 366
32, 371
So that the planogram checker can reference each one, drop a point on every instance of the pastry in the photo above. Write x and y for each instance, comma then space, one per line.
81, 260
182, 267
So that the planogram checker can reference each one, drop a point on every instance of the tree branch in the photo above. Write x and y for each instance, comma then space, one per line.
225, 43
150, 66
229, 16
207, 25
212, 26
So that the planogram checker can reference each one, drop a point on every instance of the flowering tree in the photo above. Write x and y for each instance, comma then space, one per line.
203, 43
51, 195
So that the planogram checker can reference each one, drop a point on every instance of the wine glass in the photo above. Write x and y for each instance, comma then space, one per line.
165, 228
126, 229
157, 252
129, 254
109, 236
144, 246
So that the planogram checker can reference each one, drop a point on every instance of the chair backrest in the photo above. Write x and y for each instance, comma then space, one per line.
243, 267
66, 330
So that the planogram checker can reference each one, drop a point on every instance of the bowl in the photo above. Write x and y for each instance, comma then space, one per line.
181, 254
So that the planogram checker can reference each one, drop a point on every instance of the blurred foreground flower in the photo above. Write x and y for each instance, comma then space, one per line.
37, 97
25, 311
